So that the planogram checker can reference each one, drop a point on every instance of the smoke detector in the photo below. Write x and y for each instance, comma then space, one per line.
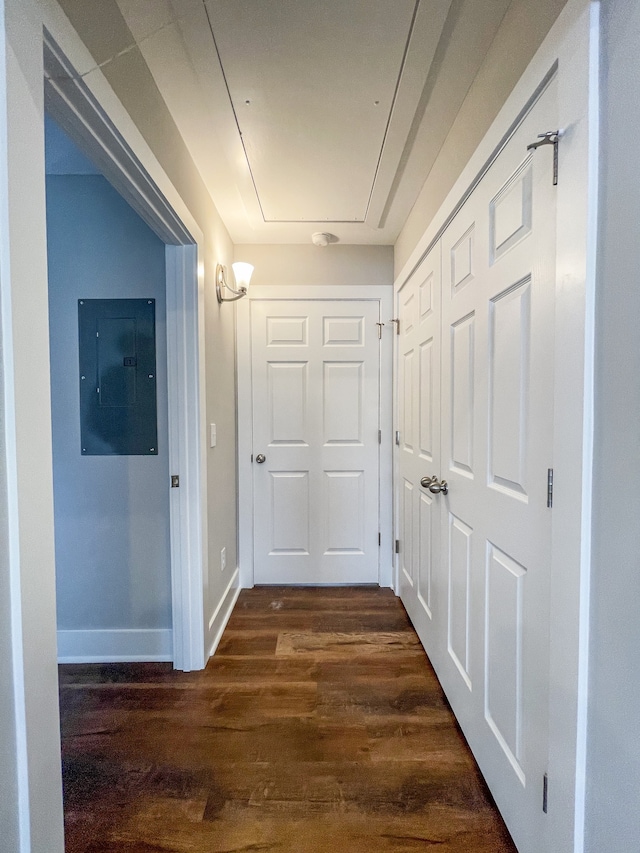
321, 238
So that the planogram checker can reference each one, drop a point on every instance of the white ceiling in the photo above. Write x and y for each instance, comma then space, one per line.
313, 115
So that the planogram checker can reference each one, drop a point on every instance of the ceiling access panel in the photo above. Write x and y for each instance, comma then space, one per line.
312, 86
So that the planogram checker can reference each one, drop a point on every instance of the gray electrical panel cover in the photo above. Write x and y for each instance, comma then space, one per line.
117, 344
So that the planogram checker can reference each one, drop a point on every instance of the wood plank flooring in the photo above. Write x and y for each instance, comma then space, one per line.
318, 727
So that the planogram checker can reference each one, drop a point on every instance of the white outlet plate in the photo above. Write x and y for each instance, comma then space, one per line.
223, 559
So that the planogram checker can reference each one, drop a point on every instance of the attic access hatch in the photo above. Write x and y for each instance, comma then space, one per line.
320, 92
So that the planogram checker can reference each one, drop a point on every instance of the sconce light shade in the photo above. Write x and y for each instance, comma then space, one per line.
242, 274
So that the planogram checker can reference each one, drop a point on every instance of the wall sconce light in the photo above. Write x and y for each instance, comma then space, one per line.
242, 275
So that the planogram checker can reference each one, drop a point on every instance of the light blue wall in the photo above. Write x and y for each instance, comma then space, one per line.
613, 745
111, 512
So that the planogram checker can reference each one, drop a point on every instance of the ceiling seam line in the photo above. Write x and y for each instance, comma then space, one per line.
233, 109
393, 103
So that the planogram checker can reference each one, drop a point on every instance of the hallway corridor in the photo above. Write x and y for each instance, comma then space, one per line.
317, 727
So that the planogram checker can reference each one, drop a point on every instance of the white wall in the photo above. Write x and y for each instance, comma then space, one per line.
26, 464
613, 746
311, 265
8, 756
111, 512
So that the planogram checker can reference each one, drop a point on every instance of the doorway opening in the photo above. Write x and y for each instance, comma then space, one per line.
74, 108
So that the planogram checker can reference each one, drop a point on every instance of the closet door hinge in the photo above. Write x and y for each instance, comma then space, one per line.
397, 546
379, 436
545, 793
549, 488
397, 322
379, 539
380, 325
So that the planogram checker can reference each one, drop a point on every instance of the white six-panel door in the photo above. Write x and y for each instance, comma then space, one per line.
316, 381
419, 442
487, 626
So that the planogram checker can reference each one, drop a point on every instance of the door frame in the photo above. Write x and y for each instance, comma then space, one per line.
571, 50
383, 294
70, 101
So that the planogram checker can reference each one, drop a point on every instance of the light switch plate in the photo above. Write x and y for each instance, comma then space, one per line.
212, 435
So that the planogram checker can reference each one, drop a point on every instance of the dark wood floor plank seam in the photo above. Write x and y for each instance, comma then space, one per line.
314, 729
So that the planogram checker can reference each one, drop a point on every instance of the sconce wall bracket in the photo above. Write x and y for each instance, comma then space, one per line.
221, 286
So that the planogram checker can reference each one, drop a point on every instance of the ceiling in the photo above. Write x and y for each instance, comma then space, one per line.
313, 115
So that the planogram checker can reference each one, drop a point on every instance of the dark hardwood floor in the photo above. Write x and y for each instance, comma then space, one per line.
318, 727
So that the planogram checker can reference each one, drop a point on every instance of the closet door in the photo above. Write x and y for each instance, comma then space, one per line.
419, 447
498, 284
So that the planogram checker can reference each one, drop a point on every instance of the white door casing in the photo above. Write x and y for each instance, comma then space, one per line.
378, 296
487, 625
76, 105
315, 378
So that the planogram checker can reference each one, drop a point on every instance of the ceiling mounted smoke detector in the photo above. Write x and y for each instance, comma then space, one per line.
321, 238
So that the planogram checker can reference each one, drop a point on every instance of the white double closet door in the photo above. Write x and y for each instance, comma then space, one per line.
316, 416
476, 380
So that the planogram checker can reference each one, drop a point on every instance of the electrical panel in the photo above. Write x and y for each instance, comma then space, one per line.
117, 346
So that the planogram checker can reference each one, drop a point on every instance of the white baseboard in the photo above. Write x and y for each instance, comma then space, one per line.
115, 645
221, 614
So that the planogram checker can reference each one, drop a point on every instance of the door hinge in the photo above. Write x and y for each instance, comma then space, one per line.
379, 539
380, 325
397, 546
549, 487
545, 792
551, 137
397, 438
379, 436
175, 481
397, 322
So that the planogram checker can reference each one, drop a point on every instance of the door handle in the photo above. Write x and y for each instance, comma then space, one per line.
260, 458
435, 487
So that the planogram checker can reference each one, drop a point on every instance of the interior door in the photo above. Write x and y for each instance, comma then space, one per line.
497, 405
316, 393
419, 444
487, 631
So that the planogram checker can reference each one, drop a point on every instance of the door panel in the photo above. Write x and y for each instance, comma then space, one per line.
315, 374
419, 346
485, 621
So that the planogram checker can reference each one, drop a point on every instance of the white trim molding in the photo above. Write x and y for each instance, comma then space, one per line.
222, 613
115, 645
383, 294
